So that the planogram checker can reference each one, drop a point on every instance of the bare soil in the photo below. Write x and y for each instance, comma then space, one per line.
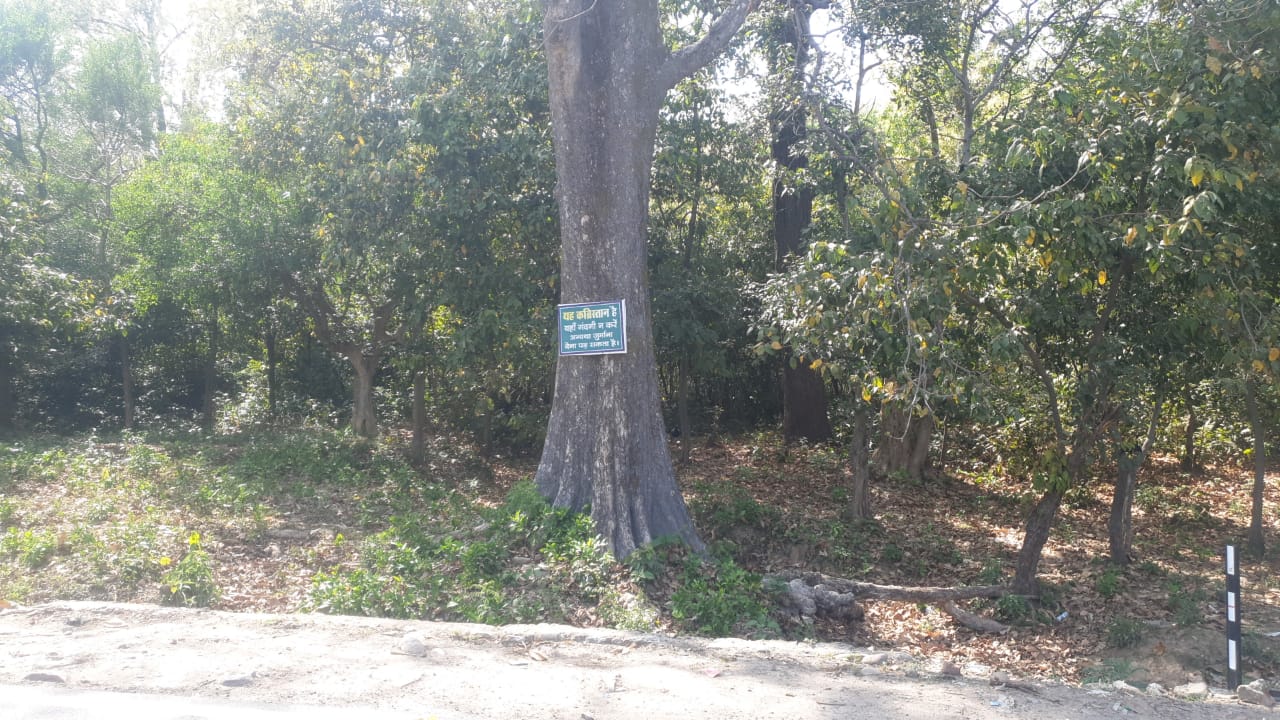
446, 670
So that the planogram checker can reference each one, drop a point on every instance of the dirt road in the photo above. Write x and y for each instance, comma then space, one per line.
448, 671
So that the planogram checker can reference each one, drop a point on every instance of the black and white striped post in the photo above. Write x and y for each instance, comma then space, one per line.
1233, 620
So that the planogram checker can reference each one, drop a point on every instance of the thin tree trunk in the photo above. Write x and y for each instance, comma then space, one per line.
419, 415
859, 507
8, 396
126, 381
682, 407
1189, 463
1257, 539
1129, 460
209, 409
1039, 523
272, 391
364, 415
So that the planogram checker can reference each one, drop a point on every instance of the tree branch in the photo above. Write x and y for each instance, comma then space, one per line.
688, 60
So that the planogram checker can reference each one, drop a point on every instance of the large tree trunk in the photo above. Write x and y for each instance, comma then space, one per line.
606, 446
859, 507
804, 394
1257, 539
364, 414
903, 450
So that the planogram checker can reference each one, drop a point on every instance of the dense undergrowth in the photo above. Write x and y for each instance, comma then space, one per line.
169, 519
314, 520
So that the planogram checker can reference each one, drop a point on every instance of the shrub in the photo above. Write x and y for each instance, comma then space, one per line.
1124, 632
190, 582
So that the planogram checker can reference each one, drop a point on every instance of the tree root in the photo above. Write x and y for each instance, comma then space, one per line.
811, 594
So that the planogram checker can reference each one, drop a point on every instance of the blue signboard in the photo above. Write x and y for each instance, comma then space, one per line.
598, 328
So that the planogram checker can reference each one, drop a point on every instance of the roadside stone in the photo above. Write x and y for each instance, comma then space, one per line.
950, 668
240, 680
412, 644
1256, 693
875, 658
44, 677
1125, 687
1192, 690
870, 671
1155, 690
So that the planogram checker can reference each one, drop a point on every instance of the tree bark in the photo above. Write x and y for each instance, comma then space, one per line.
859, 507
606, 447
1257, 539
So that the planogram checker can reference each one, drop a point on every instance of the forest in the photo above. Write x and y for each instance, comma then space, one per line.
885, 265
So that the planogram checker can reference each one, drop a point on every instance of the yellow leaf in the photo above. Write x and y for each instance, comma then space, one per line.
815, 365
1031, 236
1214, 65
866, 394
1258, 366
1274, 355
1102, 277
165, 561
1257, 72
1232, 151
1197, 176
775, 345
862, 281
828, 276
1130, 236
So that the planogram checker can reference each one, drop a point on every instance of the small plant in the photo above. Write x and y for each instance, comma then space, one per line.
1108, 583
891, 553
33, 549
1185, 604
1124, 632
1013, 609
190, 582
992, 573
718, 598
1107, 672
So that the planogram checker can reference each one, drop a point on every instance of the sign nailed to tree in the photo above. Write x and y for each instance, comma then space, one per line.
598, 328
